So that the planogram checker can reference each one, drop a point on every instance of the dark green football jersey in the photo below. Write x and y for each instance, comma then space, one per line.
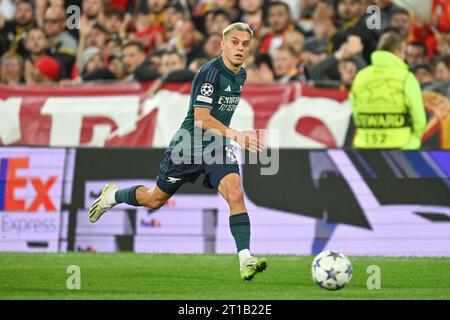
215, 87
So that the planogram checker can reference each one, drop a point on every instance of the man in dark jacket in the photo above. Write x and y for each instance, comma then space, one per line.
13, 32
353, 22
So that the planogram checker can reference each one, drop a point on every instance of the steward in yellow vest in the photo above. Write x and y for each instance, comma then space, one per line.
386, 99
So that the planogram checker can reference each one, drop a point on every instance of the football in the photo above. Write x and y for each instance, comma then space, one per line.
331, 270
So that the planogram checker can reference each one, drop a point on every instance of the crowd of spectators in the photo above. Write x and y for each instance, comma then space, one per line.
319, 42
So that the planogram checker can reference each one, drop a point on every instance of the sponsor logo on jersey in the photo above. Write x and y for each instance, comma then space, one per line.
204, 99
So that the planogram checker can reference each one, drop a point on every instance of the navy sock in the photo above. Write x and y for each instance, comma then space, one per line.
240, 229
127, 195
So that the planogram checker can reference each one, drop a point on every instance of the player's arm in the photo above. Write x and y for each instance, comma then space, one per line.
247, 139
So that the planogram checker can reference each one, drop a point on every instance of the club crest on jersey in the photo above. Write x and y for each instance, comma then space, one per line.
207, 89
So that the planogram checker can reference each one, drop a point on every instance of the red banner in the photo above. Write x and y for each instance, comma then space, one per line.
122, 115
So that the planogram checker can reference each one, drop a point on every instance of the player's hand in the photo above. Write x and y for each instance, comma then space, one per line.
250, 140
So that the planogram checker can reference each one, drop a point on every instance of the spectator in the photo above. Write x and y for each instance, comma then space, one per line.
442, 68
261, 71
91, 61
443, 42
54, 26
387, 10
11, 69
61, 43
308, 9
211, 47
416, 53
91, 35
280, 21
115, 71
148, 32
219, 21
117, 67
45, 71
171, 61
136, 66
188, 40
313, 52
172, 70
324, 27
347, 72
401, 20
93, 10
295, 40
113, 46
440, 21
154, 59
230, 7
322, 33
340, 65
441, 14
114, 22
391, 113
174, 13
207, 22
36, 43
423, 73
285, 63
97, 36
351, 12
195, 65
13, 32
157, 10
252, 13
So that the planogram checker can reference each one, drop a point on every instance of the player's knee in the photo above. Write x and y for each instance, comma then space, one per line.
236, 197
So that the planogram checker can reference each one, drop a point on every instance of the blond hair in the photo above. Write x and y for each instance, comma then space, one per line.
390, 41
238, 26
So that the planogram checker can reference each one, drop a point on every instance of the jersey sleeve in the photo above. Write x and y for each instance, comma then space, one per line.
206, 88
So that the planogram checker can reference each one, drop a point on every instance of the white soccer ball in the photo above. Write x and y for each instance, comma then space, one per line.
331, 270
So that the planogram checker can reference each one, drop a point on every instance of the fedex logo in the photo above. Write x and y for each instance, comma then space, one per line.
11, 183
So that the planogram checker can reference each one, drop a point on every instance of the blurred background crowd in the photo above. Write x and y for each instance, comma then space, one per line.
319, 42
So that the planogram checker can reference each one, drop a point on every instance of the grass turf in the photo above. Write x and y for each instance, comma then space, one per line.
180, 276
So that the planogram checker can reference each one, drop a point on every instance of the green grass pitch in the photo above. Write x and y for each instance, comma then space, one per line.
209, 276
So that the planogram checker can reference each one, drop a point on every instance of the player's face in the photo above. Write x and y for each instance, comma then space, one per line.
236, 46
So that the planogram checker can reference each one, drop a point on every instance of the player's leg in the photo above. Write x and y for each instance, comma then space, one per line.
152, 198
225, 178
172, 176
231, 190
